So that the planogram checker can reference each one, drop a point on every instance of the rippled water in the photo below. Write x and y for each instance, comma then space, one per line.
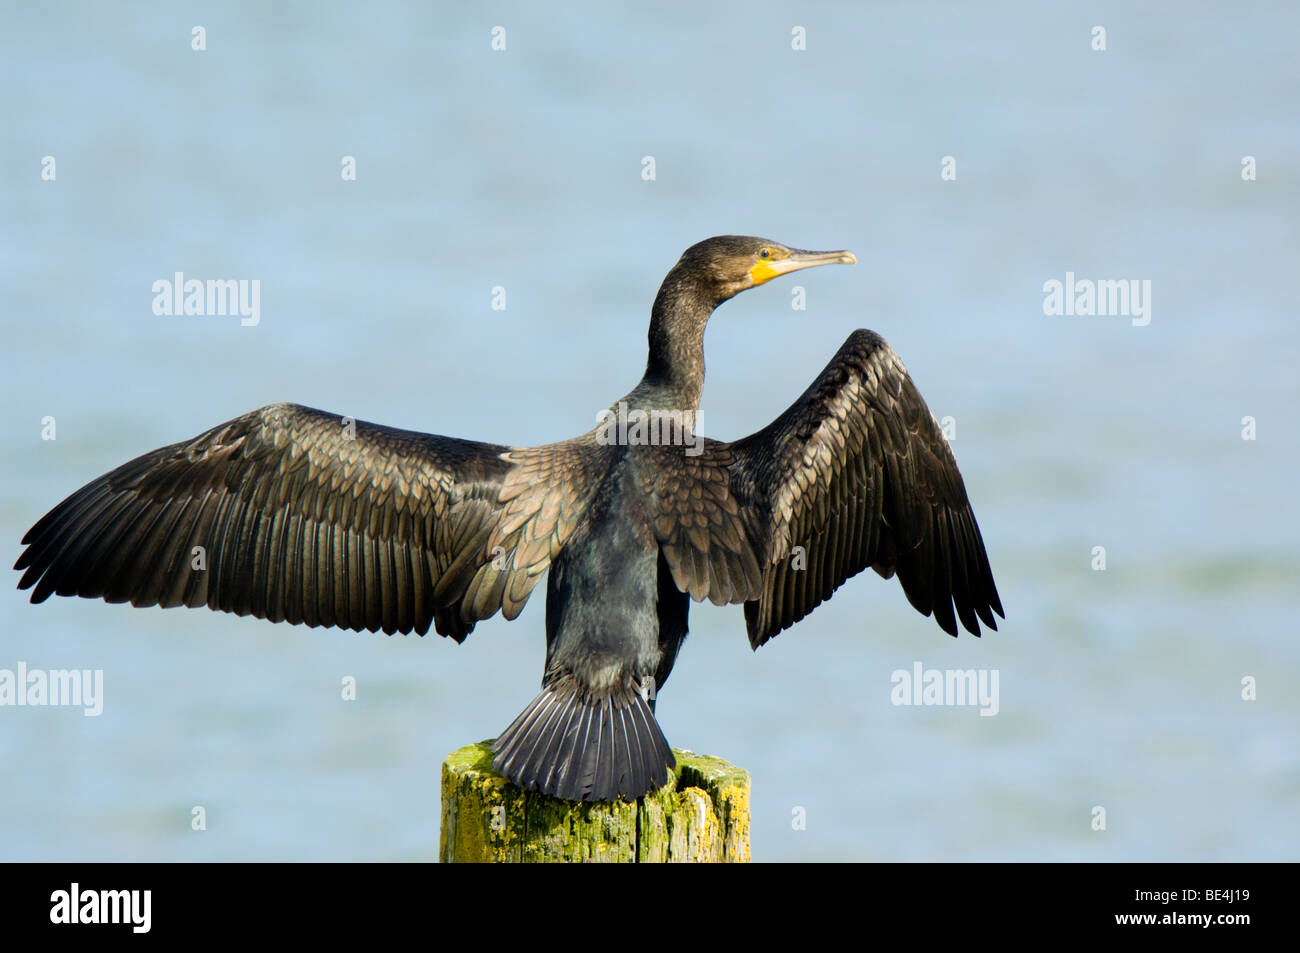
522, 169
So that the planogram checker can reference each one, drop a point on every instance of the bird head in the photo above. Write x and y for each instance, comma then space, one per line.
729, 264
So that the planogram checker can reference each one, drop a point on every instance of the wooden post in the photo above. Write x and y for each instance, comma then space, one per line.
700, 816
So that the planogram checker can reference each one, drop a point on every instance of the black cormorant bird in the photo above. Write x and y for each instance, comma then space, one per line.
306, 516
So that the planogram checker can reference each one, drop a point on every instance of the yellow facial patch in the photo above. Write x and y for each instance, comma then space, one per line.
762, 271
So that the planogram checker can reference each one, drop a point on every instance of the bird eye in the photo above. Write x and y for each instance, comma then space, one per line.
765, 253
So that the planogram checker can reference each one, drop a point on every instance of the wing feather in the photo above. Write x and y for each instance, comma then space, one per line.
855, 474
306, 516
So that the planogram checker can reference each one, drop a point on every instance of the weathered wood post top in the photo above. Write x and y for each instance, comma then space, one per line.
700, 816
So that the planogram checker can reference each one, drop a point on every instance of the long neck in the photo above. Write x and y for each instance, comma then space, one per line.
674, 374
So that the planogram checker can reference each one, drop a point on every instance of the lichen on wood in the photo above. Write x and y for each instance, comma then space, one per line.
700, 816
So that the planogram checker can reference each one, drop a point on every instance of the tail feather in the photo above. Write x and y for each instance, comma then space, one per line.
585, 746
605, 778
587, 742
645, 732
558, 750
537, 718
635, 748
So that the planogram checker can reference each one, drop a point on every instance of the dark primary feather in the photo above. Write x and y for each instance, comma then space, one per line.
857, 473
308, 517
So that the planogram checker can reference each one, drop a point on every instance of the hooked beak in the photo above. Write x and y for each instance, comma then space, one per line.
767, 270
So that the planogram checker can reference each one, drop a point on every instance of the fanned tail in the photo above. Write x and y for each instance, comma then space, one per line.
585, 746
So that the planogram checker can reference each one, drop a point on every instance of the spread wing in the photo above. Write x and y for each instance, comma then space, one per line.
294, 514
855, 473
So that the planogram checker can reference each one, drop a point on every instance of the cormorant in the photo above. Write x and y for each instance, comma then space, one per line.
306, 516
